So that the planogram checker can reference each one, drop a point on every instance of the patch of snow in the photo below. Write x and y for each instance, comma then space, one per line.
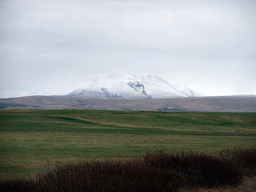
130, 86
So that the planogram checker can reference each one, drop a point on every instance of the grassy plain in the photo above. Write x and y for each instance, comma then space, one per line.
31, 138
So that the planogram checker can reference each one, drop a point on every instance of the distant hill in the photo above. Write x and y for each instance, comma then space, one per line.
198, 104
129, 92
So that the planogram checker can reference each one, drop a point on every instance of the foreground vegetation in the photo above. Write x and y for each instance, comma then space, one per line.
32, 139
159, 171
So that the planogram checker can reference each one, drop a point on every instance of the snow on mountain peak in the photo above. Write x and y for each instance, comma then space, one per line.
132, 87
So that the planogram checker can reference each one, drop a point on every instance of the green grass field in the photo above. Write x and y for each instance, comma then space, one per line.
31, 138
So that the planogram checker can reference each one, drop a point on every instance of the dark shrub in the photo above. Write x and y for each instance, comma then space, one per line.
17, 186
245, 158
159, 171
107, 176
197, 169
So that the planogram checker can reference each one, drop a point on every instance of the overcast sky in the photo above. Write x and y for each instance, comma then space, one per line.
53, 47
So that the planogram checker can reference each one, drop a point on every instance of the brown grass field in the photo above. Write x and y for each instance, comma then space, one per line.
29, 139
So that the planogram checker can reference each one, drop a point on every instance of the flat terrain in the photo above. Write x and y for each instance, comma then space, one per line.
186, 104
31, 138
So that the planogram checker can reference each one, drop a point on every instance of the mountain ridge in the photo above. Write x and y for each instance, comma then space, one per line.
113, 86
181, 104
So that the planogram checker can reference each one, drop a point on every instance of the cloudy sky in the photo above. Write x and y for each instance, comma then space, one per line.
53, 47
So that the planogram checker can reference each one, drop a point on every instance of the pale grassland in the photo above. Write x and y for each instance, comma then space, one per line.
30, 151
30, 138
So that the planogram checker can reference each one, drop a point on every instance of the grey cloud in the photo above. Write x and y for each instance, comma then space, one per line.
198, 31
90, 37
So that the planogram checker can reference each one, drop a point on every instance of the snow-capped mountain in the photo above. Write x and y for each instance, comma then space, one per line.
132, 87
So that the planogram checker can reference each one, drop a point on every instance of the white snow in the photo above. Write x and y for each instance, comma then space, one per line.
130, 87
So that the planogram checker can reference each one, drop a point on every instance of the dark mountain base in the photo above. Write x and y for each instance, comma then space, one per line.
194, 104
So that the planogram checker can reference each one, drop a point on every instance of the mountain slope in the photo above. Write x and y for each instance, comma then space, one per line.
130, 86
199, 104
